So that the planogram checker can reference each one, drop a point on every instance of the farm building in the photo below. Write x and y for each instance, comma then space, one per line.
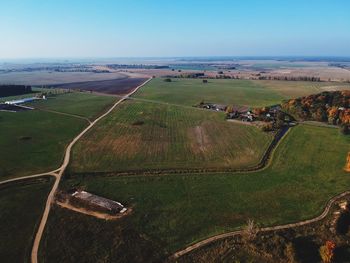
97, 202
20, 101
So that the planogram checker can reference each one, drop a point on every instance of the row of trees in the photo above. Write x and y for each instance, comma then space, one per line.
13, 90
221, 75
290, 78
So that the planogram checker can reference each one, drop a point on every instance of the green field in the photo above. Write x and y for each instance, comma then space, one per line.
77, 103
139, 136
238, 92
34, 141
21, 208
73, 237
176, 210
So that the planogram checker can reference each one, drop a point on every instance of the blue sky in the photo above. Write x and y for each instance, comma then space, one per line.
122, 28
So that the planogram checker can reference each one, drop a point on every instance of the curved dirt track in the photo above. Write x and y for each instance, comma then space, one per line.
209, 240
38, 236
51, 173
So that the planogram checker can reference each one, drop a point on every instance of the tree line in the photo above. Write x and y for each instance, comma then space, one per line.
13, 90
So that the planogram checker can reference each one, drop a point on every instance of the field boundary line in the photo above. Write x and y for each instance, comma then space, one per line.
65, 114
209, 240
49, 201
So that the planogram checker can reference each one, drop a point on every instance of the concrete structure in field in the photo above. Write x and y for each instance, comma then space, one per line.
97, 202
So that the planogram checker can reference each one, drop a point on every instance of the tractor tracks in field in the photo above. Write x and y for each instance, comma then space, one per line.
263, 164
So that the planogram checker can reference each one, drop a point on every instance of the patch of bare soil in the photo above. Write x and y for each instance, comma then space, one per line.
200, 142
99, 215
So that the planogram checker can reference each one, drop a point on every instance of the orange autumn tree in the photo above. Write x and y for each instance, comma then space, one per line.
347, 166
327, 252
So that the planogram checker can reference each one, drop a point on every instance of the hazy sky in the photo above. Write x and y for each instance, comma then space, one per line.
106, 28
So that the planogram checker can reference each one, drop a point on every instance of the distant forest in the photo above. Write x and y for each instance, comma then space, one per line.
13, 90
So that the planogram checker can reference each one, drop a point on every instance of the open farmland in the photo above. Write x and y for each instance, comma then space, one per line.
176, 210
34, 141
294, 89
240, 92
77, 103
140, 136
21, 206
114, 86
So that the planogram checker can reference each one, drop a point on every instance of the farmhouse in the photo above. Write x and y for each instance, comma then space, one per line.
97, 202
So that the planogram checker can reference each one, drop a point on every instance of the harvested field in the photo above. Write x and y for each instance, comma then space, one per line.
51, 77
140, 136
114, 86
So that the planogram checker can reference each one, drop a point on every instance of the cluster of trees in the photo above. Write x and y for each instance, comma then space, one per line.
13, 90
331, 107
221, 75
290, 78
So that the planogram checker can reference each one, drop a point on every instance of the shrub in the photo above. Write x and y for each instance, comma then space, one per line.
267, 127
290, 253
327, 252
345, 129
250, 231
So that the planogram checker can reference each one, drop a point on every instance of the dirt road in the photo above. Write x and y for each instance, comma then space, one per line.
38, 236
52, 173
265, 229
95, 214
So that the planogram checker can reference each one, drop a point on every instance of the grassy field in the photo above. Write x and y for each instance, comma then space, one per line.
73, 237
21, 208
239, 92
307, 169
77, 103
34, 141
138, 136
